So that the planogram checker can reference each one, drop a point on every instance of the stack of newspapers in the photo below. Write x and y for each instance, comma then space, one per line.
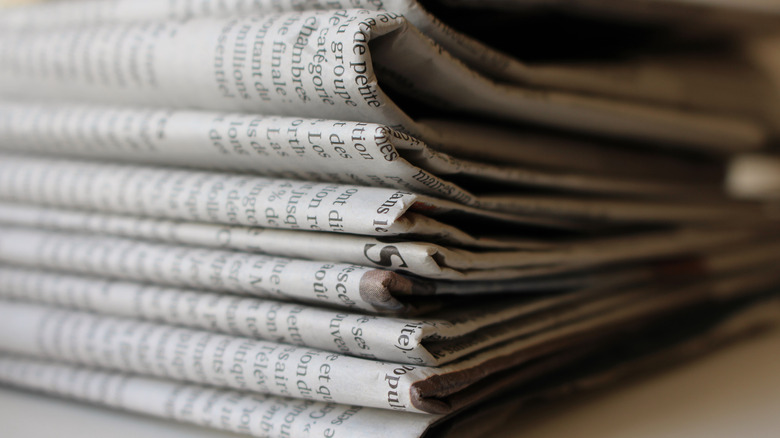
301, 218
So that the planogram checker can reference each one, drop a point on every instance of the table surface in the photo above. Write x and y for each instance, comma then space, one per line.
734, 392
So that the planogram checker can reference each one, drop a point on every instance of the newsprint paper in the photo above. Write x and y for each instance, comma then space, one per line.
327, 282
368, 154
269, 416
303, 372
294, 218
479, 259
668, 80
440, 337
315, 64
237, 199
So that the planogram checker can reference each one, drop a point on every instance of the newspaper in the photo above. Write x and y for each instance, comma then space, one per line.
156, 135
205, 314
259, 415
224, 361
367, 154
322, 282
90, 13
238, 199
441, 337
681, 80
484, 142
321, 64
276, 417
294, 204
326, 283
666, 81
281, 369
492, 259
257, 201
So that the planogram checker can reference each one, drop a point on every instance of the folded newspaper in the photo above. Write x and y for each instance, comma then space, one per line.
312, 149
485, 258
324, 282
303, 372
268, 415
323, 62
670, 80
285, 218
237, 199
442, 336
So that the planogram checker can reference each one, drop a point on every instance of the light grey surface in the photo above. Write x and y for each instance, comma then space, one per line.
734, 392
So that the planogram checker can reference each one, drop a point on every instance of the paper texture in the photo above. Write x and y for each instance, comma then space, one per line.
366, 154
292, 218
254, 414
462, 328
492, 259
320, 65
319, 282
236, 199
323, 282
267, 367
482, 141
441, 337
219, 360
685, 84
271, 416
86, 13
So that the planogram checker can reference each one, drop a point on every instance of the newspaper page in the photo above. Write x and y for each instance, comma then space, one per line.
137, 133
485, 261
667, 82
281, 369
367, 154
89, 13
236, 199
329, 282
455, 331
258, 201
259, 415
326, 283
321, 64
275, 417
224, 361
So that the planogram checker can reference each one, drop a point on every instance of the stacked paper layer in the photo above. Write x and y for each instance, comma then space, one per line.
302, 219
